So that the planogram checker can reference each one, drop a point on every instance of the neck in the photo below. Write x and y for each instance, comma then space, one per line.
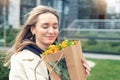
43, 47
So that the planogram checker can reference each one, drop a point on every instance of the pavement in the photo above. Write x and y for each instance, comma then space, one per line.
100, 56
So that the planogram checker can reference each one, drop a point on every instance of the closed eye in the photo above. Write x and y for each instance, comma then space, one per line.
45, 26
55, 27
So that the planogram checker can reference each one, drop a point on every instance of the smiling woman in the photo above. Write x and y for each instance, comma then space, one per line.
38, 33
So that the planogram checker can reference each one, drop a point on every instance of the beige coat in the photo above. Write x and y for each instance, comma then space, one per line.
26, 65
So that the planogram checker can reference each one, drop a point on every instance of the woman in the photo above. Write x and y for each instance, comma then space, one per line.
39, 31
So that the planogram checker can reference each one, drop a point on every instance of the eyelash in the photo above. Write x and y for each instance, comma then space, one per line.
55, 27
45, 27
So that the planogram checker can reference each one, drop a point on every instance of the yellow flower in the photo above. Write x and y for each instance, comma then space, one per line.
63, 44
55, 48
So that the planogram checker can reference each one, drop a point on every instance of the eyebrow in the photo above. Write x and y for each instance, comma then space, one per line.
48, 23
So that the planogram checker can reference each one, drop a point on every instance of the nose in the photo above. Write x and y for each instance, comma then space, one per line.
51, 30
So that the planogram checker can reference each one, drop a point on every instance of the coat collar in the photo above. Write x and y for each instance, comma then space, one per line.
34, 48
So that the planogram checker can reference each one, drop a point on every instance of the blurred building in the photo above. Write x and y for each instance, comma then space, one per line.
69, 10
4, 4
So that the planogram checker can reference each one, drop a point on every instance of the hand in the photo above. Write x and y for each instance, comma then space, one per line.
87, 67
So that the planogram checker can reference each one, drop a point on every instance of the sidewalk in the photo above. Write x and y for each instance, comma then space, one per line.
102, 56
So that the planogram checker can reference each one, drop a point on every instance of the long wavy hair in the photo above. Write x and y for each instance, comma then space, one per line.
25, 36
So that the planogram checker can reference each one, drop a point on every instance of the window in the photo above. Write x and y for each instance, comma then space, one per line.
26, 6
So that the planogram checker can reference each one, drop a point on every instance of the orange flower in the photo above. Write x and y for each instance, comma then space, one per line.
55, 48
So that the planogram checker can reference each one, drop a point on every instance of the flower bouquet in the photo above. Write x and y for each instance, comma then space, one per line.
63, 61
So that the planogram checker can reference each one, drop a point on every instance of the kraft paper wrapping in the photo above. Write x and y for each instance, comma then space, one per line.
72, 56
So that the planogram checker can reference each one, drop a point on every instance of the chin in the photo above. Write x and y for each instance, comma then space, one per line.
50, 42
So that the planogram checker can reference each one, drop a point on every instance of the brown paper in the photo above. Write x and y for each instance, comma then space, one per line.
72, 55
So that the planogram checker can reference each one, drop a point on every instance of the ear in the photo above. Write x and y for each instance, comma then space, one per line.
32, 30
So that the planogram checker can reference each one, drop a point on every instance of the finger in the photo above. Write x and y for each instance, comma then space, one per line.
87, 73
87, 67
83, 60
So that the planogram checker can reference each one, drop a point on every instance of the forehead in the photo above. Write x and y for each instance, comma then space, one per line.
47, 17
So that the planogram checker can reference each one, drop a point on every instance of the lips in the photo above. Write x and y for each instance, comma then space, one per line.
51, 37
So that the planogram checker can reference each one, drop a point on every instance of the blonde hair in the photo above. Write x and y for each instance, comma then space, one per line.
24, 37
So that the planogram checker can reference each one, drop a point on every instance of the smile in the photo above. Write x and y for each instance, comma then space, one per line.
51, 37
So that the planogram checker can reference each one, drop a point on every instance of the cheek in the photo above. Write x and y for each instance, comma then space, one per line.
41, 31
57, 32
